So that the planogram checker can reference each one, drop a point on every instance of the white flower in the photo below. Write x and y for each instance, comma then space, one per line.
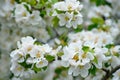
60, 6
73, 5
115, 61
21, 13
41, 63
17, 55
17, 69
36, 52
82, 70
73, 49
46, 48
65, 19
98, 75
100, 57
35, 19
68, 5
100, 11
116, 75
115, 50
104, 10
15, 78
26, 44
76, 20
27, 39
6, 8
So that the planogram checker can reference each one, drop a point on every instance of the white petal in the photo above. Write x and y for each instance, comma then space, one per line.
71, 69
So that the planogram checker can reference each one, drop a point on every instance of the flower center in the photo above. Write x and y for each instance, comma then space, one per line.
40, 62
84, 55
76, 58
12, 1
29, 48
66, 18
69, 7
24, 14
19, 68
38, 55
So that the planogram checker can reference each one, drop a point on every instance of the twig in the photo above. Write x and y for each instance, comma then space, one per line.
109, 73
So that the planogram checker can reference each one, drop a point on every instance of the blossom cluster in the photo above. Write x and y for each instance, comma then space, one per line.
88, 50
30, 57
68, 13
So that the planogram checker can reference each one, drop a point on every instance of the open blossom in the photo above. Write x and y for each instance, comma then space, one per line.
116, 75
98, 75
35, 19
15, 78
17, 69
6, 7
65, 19
82, 70
76, 20
115, 59
21, 13
68, 5
100, 56
100, 11
17, 56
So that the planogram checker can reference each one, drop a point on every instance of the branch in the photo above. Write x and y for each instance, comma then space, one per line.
109, 73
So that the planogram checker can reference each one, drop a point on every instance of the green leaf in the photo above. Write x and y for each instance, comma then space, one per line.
85, 48
27, 8
31, 2
49, 58
92, 51
59, 11
42, 13
63, 38
109, 46
79, 28
93, 70
95, 60
97, 20
36, 69
44, 68
104, 28
18, 1
60, 69
58, 72
55, 21
37, 43
101, 2
92, 26
107, 64
60, 54
54, 1
117, 54
25, 65
50, 31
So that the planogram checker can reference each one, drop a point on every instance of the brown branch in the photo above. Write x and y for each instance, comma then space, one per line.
109, 73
